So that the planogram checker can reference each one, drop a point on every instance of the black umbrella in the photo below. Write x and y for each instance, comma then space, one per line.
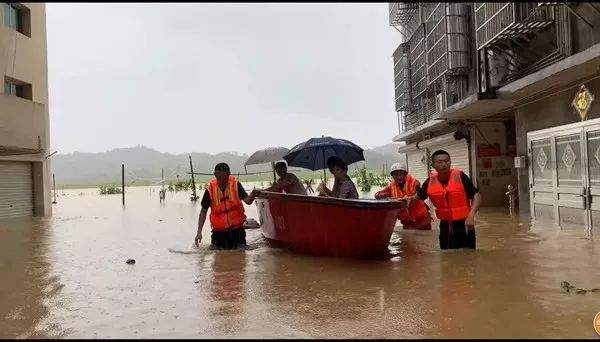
313, 153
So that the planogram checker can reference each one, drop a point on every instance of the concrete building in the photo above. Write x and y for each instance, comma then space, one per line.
25, 180
498, 85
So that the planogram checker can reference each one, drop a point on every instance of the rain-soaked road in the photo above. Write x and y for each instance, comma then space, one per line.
66, 276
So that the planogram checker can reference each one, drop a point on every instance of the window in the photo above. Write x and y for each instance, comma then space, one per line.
17, 17
10, 89
17, 88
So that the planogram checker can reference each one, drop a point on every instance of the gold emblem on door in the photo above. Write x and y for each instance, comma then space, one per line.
582, 102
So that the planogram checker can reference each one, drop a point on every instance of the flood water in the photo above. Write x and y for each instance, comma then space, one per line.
66, 277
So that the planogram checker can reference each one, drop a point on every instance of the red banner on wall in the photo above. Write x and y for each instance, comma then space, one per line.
484, 151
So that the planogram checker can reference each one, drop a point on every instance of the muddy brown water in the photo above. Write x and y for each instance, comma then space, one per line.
66, 277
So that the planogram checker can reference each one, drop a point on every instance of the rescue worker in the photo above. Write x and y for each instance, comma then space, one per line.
456, 202
404, 186
224, 197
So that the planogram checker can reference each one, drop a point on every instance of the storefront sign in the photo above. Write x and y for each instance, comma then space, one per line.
582, 102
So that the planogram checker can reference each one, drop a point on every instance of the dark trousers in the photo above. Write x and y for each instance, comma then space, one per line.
455, 235
228, 239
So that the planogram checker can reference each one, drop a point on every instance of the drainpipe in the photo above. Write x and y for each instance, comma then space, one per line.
468, 139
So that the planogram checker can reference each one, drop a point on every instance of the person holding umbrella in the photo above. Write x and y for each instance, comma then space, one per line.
343, 186
332, 153
287, 182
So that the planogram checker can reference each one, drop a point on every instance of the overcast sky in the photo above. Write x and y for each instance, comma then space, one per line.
219, 77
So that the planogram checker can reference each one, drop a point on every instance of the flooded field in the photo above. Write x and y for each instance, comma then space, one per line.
66, 277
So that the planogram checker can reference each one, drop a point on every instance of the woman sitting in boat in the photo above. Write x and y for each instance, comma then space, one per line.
404, 186
287, 182
343, 186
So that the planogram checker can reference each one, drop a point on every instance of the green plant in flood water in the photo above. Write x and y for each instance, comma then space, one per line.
181, 185
110, 190
366, 180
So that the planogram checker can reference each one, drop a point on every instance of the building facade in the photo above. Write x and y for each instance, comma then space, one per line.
25, 180
507, 88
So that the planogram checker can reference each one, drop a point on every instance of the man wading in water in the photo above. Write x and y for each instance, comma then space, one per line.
224, 197
456, 202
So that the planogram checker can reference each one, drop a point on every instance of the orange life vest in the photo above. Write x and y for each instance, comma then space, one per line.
450, 201
418, 208
226, 209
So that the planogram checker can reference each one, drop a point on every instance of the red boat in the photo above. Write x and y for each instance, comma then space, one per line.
328, 226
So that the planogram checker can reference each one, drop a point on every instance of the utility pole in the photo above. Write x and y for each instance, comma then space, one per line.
123, 182
194, 197
54, 187
162, 177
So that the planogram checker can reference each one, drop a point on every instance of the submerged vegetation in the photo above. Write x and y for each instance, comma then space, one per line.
365, 179
110, 190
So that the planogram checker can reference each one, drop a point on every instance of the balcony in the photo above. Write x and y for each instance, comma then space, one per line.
23, 126
402, 77
401, 13
418, 62
447, 41
505, 20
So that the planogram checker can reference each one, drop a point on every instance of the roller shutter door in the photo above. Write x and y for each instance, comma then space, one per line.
416, 167
16, 189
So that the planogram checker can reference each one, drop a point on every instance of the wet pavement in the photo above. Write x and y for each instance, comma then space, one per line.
66, 277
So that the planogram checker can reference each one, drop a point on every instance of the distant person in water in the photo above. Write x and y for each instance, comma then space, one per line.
287, 182
224, 197
343, 186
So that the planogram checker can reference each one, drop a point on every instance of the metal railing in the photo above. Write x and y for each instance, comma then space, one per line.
447, 41
402, 77
513, 196
402, 14
418, 61
499, 20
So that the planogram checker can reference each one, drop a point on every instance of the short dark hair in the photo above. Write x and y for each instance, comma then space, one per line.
222, 167
336, 161
439, 153
280, 164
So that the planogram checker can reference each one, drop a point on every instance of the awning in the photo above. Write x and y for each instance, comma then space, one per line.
474, 107
429, 126
570, 71
563, 74
15, 151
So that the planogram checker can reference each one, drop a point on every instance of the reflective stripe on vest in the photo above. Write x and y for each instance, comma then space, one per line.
418, 209
226, 209
450, 201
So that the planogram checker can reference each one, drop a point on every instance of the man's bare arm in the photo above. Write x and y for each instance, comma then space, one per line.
201, 220
475, 204
470, 221
250, 198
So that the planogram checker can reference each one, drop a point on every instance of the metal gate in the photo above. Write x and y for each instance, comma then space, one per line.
564, 174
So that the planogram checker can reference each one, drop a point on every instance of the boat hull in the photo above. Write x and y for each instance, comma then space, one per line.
328, 226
